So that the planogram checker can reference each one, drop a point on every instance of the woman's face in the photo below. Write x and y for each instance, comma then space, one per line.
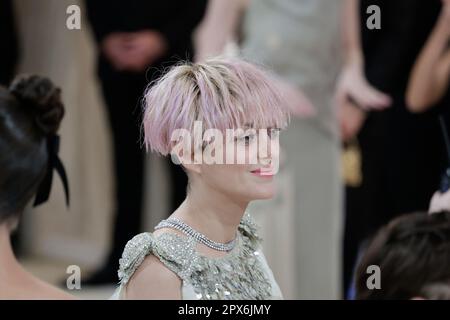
247, 173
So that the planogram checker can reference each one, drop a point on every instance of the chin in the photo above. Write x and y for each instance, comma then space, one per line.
263, 193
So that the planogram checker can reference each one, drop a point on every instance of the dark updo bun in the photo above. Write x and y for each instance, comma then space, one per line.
30, 111
42, 98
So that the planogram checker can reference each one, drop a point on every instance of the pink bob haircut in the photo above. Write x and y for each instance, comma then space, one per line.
223, 93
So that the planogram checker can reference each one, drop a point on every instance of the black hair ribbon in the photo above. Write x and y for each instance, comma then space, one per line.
43, 193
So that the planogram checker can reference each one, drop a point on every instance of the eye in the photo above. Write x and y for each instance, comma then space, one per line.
247, 139
274, 133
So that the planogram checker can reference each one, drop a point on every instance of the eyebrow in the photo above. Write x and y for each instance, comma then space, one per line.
252, 126
248, 126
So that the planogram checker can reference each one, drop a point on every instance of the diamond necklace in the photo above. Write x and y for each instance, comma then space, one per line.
199, 237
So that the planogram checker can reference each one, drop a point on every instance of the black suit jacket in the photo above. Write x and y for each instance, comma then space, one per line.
9, 51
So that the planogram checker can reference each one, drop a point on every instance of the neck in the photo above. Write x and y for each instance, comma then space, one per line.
212, 213
9, 266
15, 281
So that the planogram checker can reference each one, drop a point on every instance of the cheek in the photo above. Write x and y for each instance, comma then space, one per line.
236, 180
225, 177
236, 176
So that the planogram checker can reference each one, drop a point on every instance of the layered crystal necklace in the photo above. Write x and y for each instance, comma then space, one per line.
177, 224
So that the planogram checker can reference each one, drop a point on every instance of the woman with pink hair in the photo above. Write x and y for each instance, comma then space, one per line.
209, 116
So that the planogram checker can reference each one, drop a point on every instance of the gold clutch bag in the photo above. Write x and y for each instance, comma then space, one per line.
351, 164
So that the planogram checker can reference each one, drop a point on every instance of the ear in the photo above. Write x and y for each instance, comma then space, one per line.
187, 160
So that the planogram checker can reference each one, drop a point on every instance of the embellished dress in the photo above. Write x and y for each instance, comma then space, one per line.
243, 274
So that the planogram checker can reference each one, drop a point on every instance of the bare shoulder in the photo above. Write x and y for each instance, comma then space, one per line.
33, 289
58, 294
154, 281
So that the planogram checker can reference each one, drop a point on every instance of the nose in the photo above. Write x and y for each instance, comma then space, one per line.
269, 158
268, 146
273, 149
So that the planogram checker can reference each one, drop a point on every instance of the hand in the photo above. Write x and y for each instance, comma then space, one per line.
446, 6
353, 85
351, 119
134, 51
440, 202
297, 102
114, 48
143, 49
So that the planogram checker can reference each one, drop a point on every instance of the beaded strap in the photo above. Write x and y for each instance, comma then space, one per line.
199, 237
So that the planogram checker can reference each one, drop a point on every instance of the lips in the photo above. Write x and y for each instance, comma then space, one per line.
263, 172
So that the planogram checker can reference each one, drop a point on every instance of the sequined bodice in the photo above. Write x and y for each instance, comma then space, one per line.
241, 274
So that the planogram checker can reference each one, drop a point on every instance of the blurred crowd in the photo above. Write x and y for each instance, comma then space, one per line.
367, 82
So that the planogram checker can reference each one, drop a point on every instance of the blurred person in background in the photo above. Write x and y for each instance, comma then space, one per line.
8, 35
298, 40
30, 115
9, 57
402, 154
136, 41
413, 254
